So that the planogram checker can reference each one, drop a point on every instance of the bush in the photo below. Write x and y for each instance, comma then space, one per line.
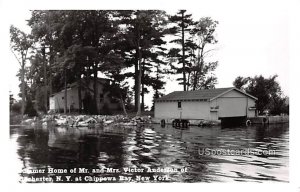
16, 107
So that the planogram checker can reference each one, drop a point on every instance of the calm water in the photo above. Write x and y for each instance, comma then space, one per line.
154, 147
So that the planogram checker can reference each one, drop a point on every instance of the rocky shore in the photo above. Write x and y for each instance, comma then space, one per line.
87, 120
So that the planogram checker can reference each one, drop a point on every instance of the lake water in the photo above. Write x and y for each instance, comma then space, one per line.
161, 154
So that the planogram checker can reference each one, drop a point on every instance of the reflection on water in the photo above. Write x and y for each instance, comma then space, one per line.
155, 147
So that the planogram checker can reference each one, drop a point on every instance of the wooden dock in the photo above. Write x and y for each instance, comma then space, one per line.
269, 119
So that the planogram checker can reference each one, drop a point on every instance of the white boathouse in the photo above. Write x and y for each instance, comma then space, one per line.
207, 104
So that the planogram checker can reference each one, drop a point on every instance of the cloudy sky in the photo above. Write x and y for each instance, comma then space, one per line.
253, 35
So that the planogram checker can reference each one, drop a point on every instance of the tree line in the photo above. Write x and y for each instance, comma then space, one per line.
270, 98
65, 46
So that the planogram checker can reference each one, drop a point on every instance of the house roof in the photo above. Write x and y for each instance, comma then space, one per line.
75, 84
205, 94
99, 80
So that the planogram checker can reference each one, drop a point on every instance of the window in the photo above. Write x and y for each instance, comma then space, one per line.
62, 98
179, 104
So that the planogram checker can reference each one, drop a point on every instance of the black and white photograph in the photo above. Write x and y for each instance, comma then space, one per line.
180, 94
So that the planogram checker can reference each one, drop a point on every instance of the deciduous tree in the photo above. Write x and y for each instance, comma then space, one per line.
20, 43
267, 91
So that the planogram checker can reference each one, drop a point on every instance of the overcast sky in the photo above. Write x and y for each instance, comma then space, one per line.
253, 36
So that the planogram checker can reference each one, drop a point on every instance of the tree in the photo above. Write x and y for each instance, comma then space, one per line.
143, 34
155, 57
45, 26
241, 82
72, 45
267, 90
183, 23
203, 33
157, 82
20, 43
157, 85
279, 105
118, 89
196, 40
93, 44
76, 42
63, 65
35, 81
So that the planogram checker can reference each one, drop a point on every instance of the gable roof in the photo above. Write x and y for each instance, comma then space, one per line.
86, 81
205, 94
84, 84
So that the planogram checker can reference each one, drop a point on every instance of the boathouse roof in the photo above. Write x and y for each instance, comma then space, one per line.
199, 95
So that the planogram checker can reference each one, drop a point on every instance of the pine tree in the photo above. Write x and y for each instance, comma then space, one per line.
183, 25
143, 33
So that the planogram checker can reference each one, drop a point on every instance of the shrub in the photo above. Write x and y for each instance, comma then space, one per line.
16, 107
